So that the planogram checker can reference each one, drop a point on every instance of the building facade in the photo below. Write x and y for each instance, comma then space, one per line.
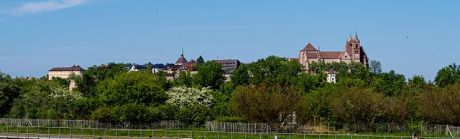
65, 72
228, 65
353, 53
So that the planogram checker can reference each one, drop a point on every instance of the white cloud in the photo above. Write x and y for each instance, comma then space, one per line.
45, 6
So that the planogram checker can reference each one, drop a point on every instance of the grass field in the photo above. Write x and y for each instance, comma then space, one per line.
191, 133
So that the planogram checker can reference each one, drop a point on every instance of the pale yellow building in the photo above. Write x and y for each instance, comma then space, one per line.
66, 73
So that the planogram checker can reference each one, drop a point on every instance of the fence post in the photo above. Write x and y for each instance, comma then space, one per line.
231, 134
17, 131
457, 130
70, 128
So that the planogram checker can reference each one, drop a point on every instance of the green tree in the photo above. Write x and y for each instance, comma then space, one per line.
134, 87
447, 75
184, 79
94, 75
271, 104
390, 83
442, 106
308, 82
46, 99
375, 66
210, 74
417, 83
8, 93
240, 76
355, 107
200, 60
274, 70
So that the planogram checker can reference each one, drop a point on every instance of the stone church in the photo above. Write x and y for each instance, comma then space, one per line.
353, 52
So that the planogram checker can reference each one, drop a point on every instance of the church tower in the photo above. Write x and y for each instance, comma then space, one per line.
353, 47
356, 51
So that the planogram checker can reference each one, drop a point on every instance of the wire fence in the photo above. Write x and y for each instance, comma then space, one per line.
175, 129
171, 124
446, 130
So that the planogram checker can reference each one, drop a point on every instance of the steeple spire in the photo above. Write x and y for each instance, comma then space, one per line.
182, 51
356, 36
349, 38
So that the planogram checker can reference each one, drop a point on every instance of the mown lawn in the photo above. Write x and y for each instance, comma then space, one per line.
166, 133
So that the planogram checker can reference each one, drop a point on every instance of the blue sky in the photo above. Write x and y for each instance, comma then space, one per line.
413, 37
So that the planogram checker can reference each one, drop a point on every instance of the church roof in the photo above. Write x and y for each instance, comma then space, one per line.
325, 55
181, 60
330, 55
309, 47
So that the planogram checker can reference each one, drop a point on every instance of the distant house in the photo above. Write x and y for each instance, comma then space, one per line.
331, 76
136, 67
66, 73
158, 67
188, 66
229, 65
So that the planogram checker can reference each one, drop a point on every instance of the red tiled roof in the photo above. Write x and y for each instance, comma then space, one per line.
309, 47
331, 71
73, 68
330, 55
181, 60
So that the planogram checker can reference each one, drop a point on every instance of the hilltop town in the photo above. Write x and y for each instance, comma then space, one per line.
353, 53
318, 92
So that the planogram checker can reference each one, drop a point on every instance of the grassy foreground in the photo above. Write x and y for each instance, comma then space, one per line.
166, 133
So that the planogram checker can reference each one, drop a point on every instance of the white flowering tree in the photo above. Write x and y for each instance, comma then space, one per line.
194, 104
185, 97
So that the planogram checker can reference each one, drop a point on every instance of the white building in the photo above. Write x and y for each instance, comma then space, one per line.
331, 76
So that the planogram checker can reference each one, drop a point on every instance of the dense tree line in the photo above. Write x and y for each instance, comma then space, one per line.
270, 90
